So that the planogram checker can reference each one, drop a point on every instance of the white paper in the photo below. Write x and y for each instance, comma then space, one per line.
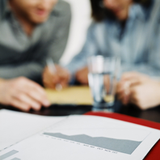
84, 138
15, 126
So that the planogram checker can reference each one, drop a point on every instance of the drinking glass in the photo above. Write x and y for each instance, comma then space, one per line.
102, 79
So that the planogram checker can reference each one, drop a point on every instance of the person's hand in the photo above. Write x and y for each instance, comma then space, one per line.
145, 95
82, 76
23, 94
129, 79
60, 78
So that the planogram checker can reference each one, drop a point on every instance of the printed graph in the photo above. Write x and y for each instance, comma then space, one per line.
119, 145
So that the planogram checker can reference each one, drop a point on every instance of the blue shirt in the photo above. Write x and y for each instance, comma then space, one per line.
138, 46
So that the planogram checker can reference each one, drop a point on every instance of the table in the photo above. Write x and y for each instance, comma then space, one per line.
63, 110
81, 99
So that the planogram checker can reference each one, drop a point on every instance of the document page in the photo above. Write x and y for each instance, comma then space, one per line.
15, 126
84, 138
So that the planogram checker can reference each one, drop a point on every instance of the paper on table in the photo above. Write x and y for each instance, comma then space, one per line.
15, 126
86, 137
70, 95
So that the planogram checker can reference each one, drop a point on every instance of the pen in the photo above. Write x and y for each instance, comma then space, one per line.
53, 70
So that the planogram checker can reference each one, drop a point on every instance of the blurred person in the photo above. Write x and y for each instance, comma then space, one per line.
30, 32
128, 29
139, 89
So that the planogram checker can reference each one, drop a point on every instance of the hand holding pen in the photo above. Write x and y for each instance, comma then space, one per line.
54, 76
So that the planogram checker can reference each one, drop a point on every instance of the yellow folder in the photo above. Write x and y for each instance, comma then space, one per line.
79, 95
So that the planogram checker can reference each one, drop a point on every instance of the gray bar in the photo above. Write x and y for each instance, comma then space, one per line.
15, 159
6, 155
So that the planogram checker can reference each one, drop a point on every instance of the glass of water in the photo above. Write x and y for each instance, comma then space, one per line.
102, 80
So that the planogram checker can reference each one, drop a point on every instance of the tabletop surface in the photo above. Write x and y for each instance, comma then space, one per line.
63, 110
78, 100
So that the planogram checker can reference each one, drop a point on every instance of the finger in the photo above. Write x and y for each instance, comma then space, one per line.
48, 84
38, 88
48, 79
121, 96
24, 83
64, 80
63, 84
37, 93
124, 96
135, 82
33, 85
139, 77
39, 98
123, 88
59, 86
118, 87
126, 100
32, 97
133, 97
63, 75
83, 80
20, 105
129, 75
127, 84
28, 100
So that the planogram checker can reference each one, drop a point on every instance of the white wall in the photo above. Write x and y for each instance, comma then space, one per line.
79, 25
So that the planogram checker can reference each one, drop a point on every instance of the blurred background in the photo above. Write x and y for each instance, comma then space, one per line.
81, 19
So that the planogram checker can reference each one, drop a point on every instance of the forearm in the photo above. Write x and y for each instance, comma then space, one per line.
89, 49
31, 70
78, 62
147, 69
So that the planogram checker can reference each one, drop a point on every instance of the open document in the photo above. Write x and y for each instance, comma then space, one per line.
84, 138
16, 126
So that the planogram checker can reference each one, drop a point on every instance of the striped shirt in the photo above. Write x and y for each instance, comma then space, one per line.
21, 55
